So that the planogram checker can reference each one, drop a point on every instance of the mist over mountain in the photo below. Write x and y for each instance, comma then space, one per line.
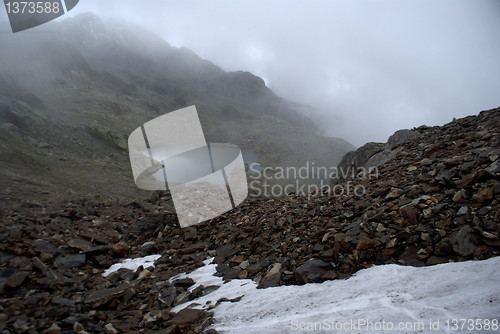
83, 250
72, 91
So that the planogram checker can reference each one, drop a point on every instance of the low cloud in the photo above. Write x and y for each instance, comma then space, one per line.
369, 67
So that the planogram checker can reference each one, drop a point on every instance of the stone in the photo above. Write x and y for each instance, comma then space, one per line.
182, 298
483, 195
184, 282
489, 235
274, 270
16, 280
189, 316
411, 214
21, 323
459, 196
101, 297
462, 211
53, 329
443, 248
237, 259
269, 281
243, 274
63, 301
51, 276
168, 295
70, 261
393, 193
80, 244
400, 137
226, 251
148, 246
365, 243
43, 246
254, 268
120, 249
311, 267
433, 260
110, 329
392, 243
494, 168
78, 327
143, 274
244, 265
227, 272
462, 243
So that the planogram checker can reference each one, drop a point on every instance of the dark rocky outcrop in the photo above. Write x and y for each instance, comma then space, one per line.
373, 154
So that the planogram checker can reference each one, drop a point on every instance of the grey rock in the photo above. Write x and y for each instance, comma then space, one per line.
182, 298
462, 211
494, 168
16, 280
311, 270
63, 301
184, 282
43, 246
462, 243
269, 281
227, 272
400, 137
70, 261
168, 295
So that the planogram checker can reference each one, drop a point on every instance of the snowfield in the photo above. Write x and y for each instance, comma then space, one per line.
446, 298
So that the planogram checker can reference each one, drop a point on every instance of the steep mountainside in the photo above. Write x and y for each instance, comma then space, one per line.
72, 91
435, 201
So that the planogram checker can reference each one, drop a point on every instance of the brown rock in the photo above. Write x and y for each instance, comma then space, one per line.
53, 329
120, 249
80, 244
110, 329
483, 195
443, 248
365, 244
16, 280
188, 317
101, 297
411, 213
394, 193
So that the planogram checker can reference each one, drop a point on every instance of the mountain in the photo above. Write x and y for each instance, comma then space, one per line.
436, 200
72, 91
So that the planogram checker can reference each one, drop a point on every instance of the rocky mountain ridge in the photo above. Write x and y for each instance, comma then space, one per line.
435, 201
72, 91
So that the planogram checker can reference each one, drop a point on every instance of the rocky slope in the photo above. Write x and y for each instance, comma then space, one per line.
373, 155
435, 201
72, 91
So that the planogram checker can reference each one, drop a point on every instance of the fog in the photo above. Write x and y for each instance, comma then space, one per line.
368, 67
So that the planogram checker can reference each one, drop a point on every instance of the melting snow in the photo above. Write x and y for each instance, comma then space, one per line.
133, 264
382, 297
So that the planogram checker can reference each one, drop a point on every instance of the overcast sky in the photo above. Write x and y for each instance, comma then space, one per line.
370, 67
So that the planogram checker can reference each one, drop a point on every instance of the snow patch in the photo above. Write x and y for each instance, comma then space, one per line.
133, 264
393, 294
